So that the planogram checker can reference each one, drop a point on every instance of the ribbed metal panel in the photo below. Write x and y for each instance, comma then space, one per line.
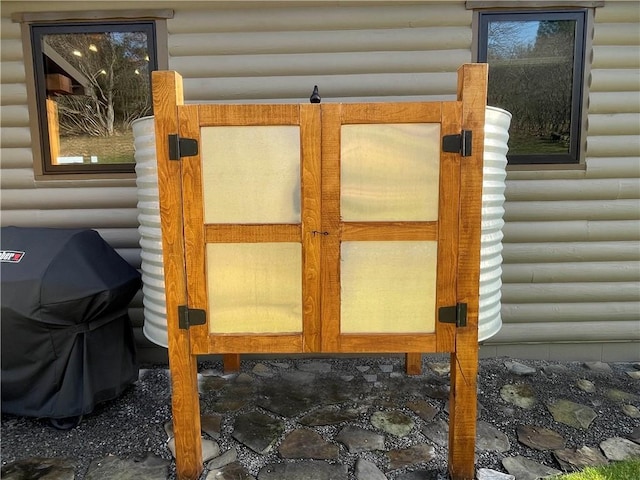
155, 307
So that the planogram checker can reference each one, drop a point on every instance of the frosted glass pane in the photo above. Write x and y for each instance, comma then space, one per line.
390, 172
251, 174
388, 287
254, 287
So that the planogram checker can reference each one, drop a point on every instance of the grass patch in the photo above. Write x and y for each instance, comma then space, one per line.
624, 470
116, 149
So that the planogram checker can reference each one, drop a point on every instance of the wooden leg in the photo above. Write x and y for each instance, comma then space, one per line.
231, 362
186, 416
463, 411
413, 363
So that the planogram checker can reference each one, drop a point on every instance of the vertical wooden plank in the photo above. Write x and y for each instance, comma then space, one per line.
167, 95
448, 219
193, 225
311, 183
331, 223
472, 91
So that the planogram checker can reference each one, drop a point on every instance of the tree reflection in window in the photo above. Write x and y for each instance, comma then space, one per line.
535, 72
94, 82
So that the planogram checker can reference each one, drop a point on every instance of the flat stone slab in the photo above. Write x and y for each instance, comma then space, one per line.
520, 394
577, 459
330, 416
555, 369
621, 396
489, 474
437, 432
423, 409
208, 384
410, 456
37, 467
540, 438
226, 458
210, 424
524, 469
306, 469
285, 398
393, 422
148, 467
571, 413
598, 367
257, 431
262, 370
234, 396
635, 435
490, 439
440, 368
232, 471
618, 448
586, 385
366, 470
359, 439
303, 443
520, 369
630, 411
315, 367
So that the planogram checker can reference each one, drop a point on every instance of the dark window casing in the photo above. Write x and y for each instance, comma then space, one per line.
571, 155
37, 32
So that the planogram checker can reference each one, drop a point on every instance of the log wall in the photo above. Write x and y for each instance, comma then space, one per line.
571, 270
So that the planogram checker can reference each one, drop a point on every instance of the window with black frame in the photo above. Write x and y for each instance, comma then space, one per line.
92, 81
536, 71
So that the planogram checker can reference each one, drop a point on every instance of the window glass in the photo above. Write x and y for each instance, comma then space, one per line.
535, 72
92, 82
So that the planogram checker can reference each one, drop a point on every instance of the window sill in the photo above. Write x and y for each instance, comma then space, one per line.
478, 4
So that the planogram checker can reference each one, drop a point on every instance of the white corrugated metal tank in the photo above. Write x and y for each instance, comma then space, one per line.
496, 135
152, 264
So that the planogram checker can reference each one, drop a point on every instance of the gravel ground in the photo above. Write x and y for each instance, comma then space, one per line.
133, 424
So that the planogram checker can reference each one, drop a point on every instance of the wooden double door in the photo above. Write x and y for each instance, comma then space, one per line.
321, 227
342, 228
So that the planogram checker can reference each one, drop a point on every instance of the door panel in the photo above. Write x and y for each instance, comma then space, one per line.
383, 262
254, 288
388, 287
252, 174
384, 169
251, 265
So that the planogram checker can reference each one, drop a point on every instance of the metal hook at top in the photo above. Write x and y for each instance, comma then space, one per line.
315, 96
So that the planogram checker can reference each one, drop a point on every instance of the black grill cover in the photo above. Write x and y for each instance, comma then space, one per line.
66, 337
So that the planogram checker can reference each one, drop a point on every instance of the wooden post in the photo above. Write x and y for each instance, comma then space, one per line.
413, 363
167, 95
231, 362
472, 92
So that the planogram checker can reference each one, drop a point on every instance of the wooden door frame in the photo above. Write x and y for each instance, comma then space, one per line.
472, 95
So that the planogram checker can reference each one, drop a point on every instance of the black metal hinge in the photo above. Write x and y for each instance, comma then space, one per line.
460, 143
190, 316
182, 147
456, 314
